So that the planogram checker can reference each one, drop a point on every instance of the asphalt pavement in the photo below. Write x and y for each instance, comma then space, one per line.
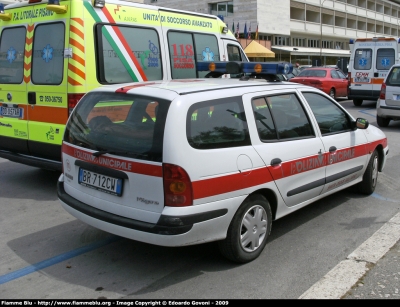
372, 271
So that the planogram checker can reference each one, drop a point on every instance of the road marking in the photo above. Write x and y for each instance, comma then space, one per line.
344, 276
384, 198
56, 259
366, 112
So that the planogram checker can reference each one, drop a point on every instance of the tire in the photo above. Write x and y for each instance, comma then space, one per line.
370, 177
382, 122
249, 230
357, 102
332, 93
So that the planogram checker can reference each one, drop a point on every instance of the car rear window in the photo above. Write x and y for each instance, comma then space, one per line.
393, 78
312, 73
121, 124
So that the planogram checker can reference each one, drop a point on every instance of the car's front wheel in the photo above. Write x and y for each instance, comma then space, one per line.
249, 230
357, 102
370, 177
382, 122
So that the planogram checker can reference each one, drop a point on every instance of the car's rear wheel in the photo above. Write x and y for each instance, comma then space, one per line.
382, 121
249, 230
370, 177
332, 93
357, 102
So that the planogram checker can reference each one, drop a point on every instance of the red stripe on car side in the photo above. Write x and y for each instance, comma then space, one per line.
229, 183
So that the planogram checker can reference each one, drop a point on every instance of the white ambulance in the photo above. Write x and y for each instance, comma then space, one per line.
370, 61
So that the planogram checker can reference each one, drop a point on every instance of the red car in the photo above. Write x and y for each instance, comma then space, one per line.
330, 80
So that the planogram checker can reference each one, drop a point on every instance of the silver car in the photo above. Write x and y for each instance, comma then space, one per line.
388, 105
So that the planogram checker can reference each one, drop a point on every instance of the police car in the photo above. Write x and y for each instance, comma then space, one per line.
183, 162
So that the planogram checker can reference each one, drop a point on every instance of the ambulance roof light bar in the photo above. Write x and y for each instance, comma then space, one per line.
3, 15
255, 69
54, 5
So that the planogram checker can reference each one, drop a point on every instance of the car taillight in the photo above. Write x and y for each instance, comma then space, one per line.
177, 186
73, 99
316, 82
348, 78
382, 95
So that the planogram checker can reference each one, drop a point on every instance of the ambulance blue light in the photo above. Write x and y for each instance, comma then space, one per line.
267, 68
54, 6
4, 16
351, 41
261, 68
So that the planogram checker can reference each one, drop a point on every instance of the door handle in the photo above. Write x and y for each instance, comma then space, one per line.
276, 162
32, 97
332, 149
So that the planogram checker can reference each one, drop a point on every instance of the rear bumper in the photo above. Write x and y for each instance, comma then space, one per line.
168, 231
32, 161
363, 94
385, 111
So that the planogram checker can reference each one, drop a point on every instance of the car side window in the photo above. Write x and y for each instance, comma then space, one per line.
217, 124
139, 45
281, 117
334, 74
341, 75
330, 117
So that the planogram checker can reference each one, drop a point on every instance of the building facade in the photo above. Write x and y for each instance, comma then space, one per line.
309, 32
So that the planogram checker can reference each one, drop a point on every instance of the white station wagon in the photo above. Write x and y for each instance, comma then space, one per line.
192, 161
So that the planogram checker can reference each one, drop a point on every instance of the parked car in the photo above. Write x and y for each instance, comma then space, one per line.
388, 104
330, 80
183, 162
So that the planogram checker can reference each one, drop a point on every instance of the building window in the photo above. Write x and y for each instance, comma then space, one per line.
313, 43
282, 41
222, 8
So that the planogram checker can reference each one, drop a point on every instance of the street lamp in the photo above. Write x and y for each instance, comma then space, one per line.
320, 40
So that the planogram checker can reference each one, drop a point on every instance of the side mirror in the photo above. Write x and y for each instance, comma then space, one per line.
362, 123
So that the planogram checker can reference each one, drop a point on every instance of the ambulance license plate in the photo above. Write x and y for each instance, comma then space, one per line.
396, 97
12, 112
100, 182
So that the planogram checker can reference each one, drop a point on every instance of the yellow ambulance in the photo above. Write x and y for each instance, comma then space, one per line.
53, 52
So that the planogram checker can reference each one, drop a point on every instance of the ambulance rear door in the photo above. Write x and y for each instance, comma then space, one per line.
14, 54
372, 60
47, 68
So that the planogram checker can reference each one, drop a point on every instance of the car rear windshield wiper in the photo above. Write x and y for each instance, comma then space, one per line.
115, 152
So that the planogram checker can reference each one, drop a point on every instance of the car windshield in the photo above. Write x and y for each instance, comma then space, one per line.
312, 73
130, 125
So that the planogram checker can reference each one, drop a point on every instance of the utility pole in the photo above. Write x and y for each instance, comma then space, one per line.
320, 40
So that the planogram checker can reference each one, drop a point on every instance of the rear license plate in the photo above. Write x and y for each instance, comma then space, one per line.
109, 185
12, 112
396, 97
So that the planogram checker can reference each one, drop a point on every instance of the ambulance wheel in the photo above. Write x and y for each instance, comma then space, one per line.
357, 102
370, 177
332, 93
382, 122
249, 230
